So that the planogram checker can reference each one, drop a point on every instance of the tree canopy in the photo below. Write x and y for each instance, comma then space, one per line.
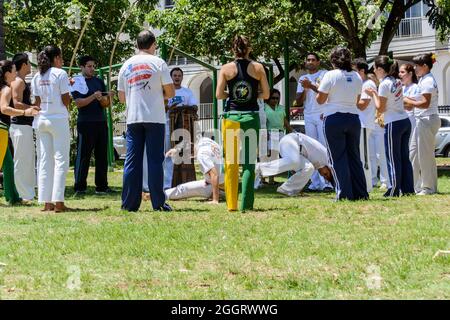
32, 24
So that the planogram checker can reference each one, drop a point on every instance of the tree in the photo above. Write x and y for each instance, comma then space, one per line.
2, 33
206, 28
352, 20
32, 24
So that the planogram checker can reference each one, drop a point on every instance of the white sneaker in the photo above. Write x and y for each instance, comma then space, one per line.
425, 193
286, 192
258, 182
383, 186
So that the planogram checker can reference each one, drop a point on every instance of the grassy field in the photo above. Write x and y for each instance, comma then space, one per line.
306, 247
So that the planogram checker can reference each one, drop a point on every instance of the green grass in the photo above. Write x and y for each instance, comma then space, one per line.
306, 247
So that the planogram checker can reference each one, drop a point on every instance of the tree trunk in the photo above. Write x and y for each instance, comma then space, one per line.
2, 34
358, 48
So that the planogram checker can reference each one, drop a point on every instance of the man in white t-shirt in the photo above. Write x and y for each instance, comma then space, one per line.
183, 97
144, 82
306, 95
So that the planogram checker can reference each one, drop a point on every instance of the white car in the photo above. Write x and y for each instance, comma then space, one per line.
120, 147
443, 137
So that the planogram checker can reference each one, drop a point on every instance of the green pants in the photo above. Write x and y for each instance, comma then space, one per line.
7, 166
240, 133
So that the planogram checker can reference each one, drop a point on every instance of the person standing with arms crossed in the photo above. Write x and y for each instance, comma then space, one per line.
7, 76
389, 100
21, 131
246, 82
427, 125
144, 82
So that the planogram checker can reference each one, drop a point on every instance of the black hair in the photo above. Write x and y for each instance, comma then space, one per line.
5, 66
341, 58
20, 59
46, 58
313, 54
272, 91
241, 44
83, 60
389, 65
361, 64
145, 40
424, 59
176, 69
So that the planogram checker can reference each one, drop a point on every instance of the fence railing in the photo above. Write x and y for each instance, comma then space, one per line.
409, 27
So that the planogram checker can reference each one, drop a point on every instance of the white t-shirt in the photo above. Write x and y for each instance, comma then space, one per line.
412, 91
367, 117
343, 89
183, 97
312, 150
209, 156
391, 89
142, 78
49, 87
311, 105
427, 84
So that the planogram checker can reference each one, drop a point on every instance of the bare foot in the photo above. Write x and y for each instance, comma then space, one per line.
48, 207
60, 207
146, 196
213, 202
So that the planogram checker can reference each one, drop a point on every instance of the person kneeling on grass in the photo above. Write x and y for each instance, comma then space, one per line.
301, 154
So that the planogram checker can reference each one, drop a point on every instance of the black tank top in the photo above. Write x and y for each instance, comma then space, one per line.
26, 98
242, 89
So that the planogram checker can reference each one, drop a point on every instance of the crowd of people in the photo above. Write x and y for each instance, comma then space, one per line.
361, 127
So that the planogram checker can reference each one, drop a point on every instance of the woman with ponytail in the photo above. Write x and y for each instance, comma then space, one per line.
427, 124
340, 91
50, 86
389, 101
7, 75
246, 81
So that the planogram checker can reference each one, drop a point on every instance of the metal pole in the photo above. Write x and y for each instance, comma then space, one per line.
164, 54
286, 76
271, 77
215, 106
108, 114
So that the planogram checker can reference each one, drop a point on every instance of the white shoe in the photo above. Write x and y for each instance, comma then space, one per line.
425, 193
286, 192
383, 186
258, 182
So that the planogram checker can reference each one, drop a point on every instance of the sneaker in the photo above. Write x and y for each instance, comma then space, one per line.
106, 191
328, 189
165, 208
425, 193
79, 194
286, 192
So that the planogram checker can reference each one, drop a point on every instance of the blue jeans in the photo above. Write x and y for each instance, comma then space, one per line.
152, 136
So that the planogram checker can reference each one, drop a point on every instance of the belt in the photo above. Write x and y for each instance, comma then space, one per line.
240, 112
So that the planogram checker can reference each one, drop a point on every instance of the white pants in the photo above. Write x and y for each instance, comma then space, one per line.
54, 137
377, 156
24, 160
364, 151
422, 153
314, 129
291, 160
189, 190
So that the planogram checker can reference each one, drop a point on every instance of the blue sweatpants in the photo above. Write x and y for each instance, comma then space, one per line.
152, 136
342, 134
396, 142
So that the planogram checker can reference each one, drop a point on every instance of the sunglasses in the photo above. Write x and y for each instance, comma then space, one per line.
274, 98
